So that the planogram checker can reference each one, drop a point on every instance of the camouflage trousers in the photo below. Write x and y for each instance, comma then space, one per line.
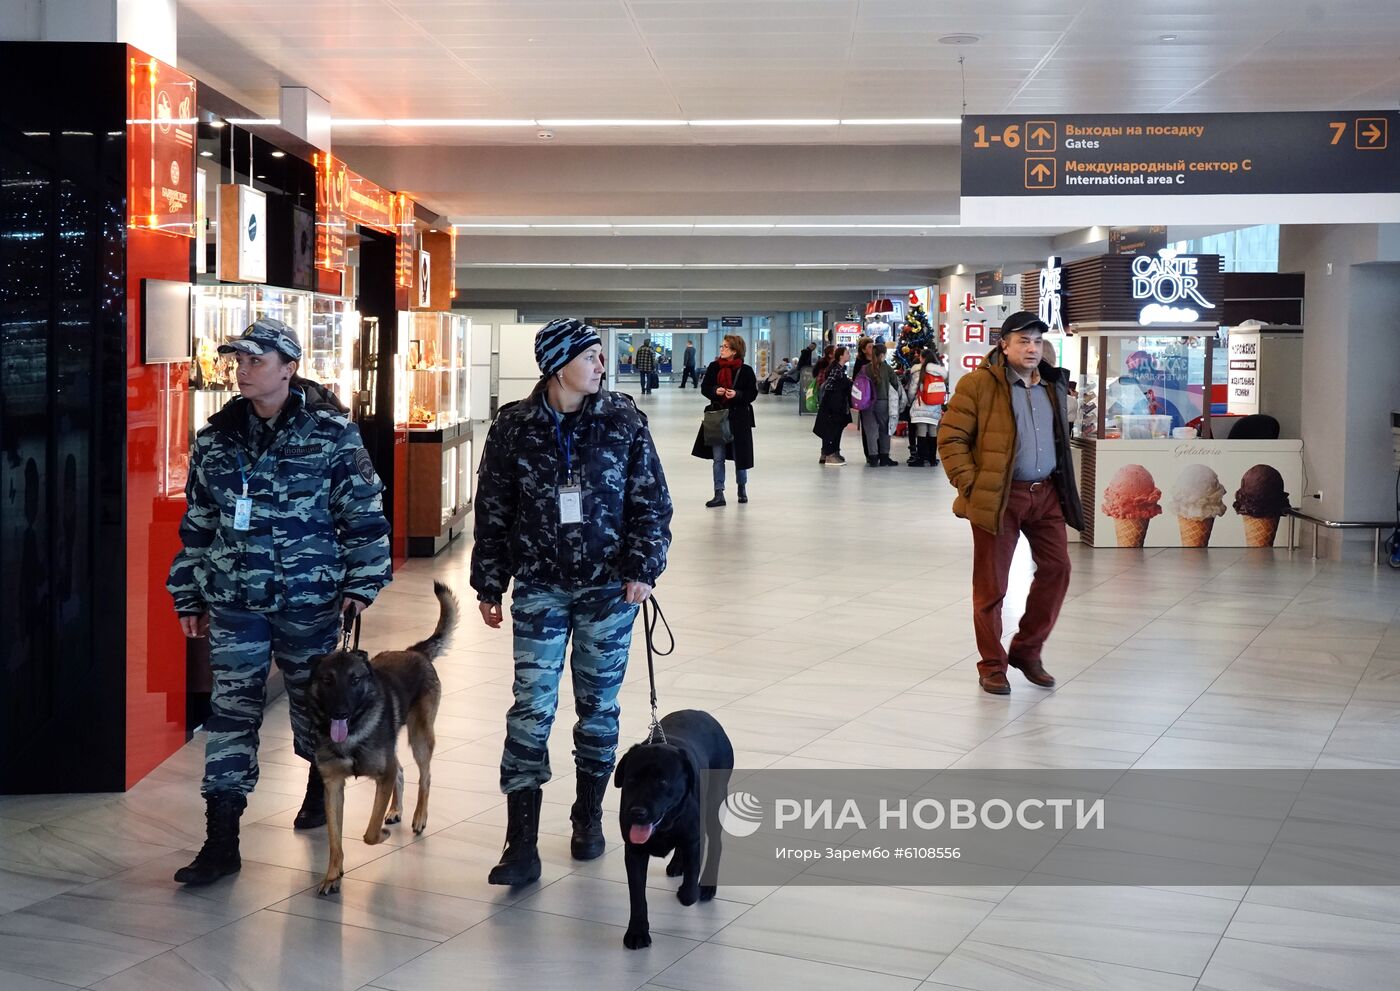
242, 646
544, 619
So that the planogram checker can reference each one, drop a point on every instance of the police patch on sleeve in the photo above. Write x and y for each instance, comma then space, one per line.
364, 465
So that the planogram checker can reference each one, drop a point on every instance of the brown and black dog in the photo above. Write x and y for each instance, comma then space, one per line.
357, 706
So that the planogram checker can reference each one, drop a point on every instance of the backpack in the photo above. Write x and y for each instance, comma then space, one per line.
862, 392
933, 389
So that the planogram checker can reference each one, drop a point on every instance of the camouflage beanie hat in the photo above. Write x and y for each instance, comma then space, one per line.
561, 341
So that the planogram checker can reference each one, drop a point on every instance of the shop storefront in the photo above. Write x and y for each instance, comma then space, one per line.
140, 228
1161, 460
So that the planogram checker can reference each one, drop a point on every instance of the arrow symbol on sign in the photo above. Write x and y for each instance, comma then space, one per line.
1040, 172
1041, 135
1372, 133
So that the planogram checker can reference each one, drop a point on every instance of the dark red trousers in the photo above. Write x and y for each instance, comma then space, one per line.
1036, 513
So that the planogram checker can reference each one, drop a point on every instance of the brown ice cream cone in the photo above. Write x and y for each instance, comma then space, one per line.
1131, 533
1259, 531
1195, 531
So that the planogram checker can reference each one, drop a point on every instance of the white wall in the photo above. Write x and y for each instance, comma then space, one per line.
1351, 362
147, 24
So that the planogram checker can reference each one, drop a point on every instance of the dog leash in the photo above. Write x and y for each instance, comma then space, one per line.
350, 624
656, 734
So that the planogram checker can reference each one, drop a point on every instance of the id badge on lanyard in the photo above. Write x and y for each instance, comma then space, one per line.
571, 492
570, 503
243, 505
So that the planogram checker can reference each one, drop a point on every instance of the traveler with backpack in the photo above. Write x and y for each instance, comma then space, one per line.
834, 411
875, 391
928, 386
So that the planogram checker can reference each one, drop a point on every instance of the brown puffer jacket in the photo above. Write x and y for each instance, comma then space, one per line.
977, 443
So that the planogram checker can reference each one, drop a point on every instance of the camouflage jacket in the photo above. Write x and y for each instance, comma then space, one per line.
318, 529
626, 525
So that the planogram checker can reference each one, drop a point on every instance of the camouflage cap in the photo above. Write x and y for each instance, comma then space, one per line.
263, 335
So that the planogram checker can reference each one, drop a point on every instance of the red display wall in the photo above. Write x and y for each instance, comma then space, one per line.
160, 186
155, 647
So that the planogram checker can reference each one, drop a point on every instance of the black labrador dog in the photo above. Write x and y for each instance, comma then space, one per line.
670, 803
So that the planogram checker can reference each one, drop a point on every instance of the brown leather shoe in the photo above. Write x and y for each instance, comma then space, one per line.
1035, 673
995, 683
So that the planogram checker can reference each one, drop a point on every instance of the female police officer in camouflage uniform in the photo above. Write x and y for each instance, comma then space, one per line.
573, 505
284, 532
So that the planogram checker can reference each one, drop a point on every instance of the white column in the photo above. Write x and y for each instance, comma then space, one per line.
1351, 352
306, 114
147, 24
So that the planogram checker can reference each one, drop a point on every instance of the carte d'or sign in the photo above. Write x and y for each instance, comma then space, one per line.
1168, 286
1164, 288
160, 129
1334, 166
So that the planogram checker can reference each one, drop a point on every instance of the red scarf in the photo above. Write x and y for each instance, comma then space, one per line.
728, 371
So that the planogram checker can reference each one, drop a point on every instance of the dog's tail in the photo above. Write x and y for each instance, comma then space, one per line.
447, 622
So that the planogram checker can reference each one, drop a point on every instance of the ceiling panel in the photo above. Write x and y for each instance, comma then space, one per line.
766, 58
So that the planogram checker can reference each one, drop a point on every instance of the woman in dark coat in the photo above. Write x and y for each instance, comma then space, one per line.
730, 384
834, 410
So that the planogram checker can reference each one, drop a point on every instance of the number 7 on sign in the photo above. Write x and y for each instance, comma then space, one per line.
1339, 128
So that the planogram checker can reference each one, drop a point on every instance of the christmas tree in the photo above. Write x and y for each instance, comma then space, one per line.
918, 333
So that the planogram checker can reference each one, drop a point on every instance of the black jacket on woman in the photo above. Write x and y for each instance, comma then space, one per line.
834, 408
741, 421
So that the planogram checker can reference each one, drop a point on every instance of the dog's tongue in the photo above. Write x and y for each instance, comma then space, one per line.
340, 729
641, 833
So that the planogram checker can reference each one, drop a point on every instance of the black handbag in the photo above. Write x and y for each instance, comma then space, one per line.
716, 427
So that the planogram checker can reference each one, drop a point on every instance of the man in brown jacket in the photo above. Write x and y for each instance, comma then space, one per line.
1004, 441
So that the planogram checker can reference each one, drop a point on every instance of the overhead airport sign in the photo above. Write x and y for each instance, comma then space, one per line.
1307, 167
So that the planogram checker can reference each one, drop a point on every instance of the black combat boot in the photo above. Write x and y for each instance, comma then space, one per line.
520, 860
219, 855
587, 816
313, 806
743, 493
718, 500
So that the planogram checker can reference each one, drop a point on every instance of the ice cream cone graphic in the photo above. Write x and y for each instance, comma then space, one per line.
1261, 501
1131, 501
1198, 499
1195, 531
1131, 533
1259, 531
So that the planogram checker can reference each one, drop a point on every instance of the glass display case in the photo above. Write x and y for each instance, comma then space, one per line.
224, 311
433, 362
326, 325
432, 402
328, 357
1142, 386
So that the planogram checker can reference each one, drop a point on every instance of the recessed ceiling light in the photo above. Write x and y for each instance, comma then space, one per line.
279, 154
959, 39
612, 122
262, 177
206, 154
1167, 38
774, 122
216, 123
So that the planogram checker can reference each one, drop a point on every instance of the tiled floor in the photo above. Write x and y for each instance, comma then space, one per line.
827, 624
